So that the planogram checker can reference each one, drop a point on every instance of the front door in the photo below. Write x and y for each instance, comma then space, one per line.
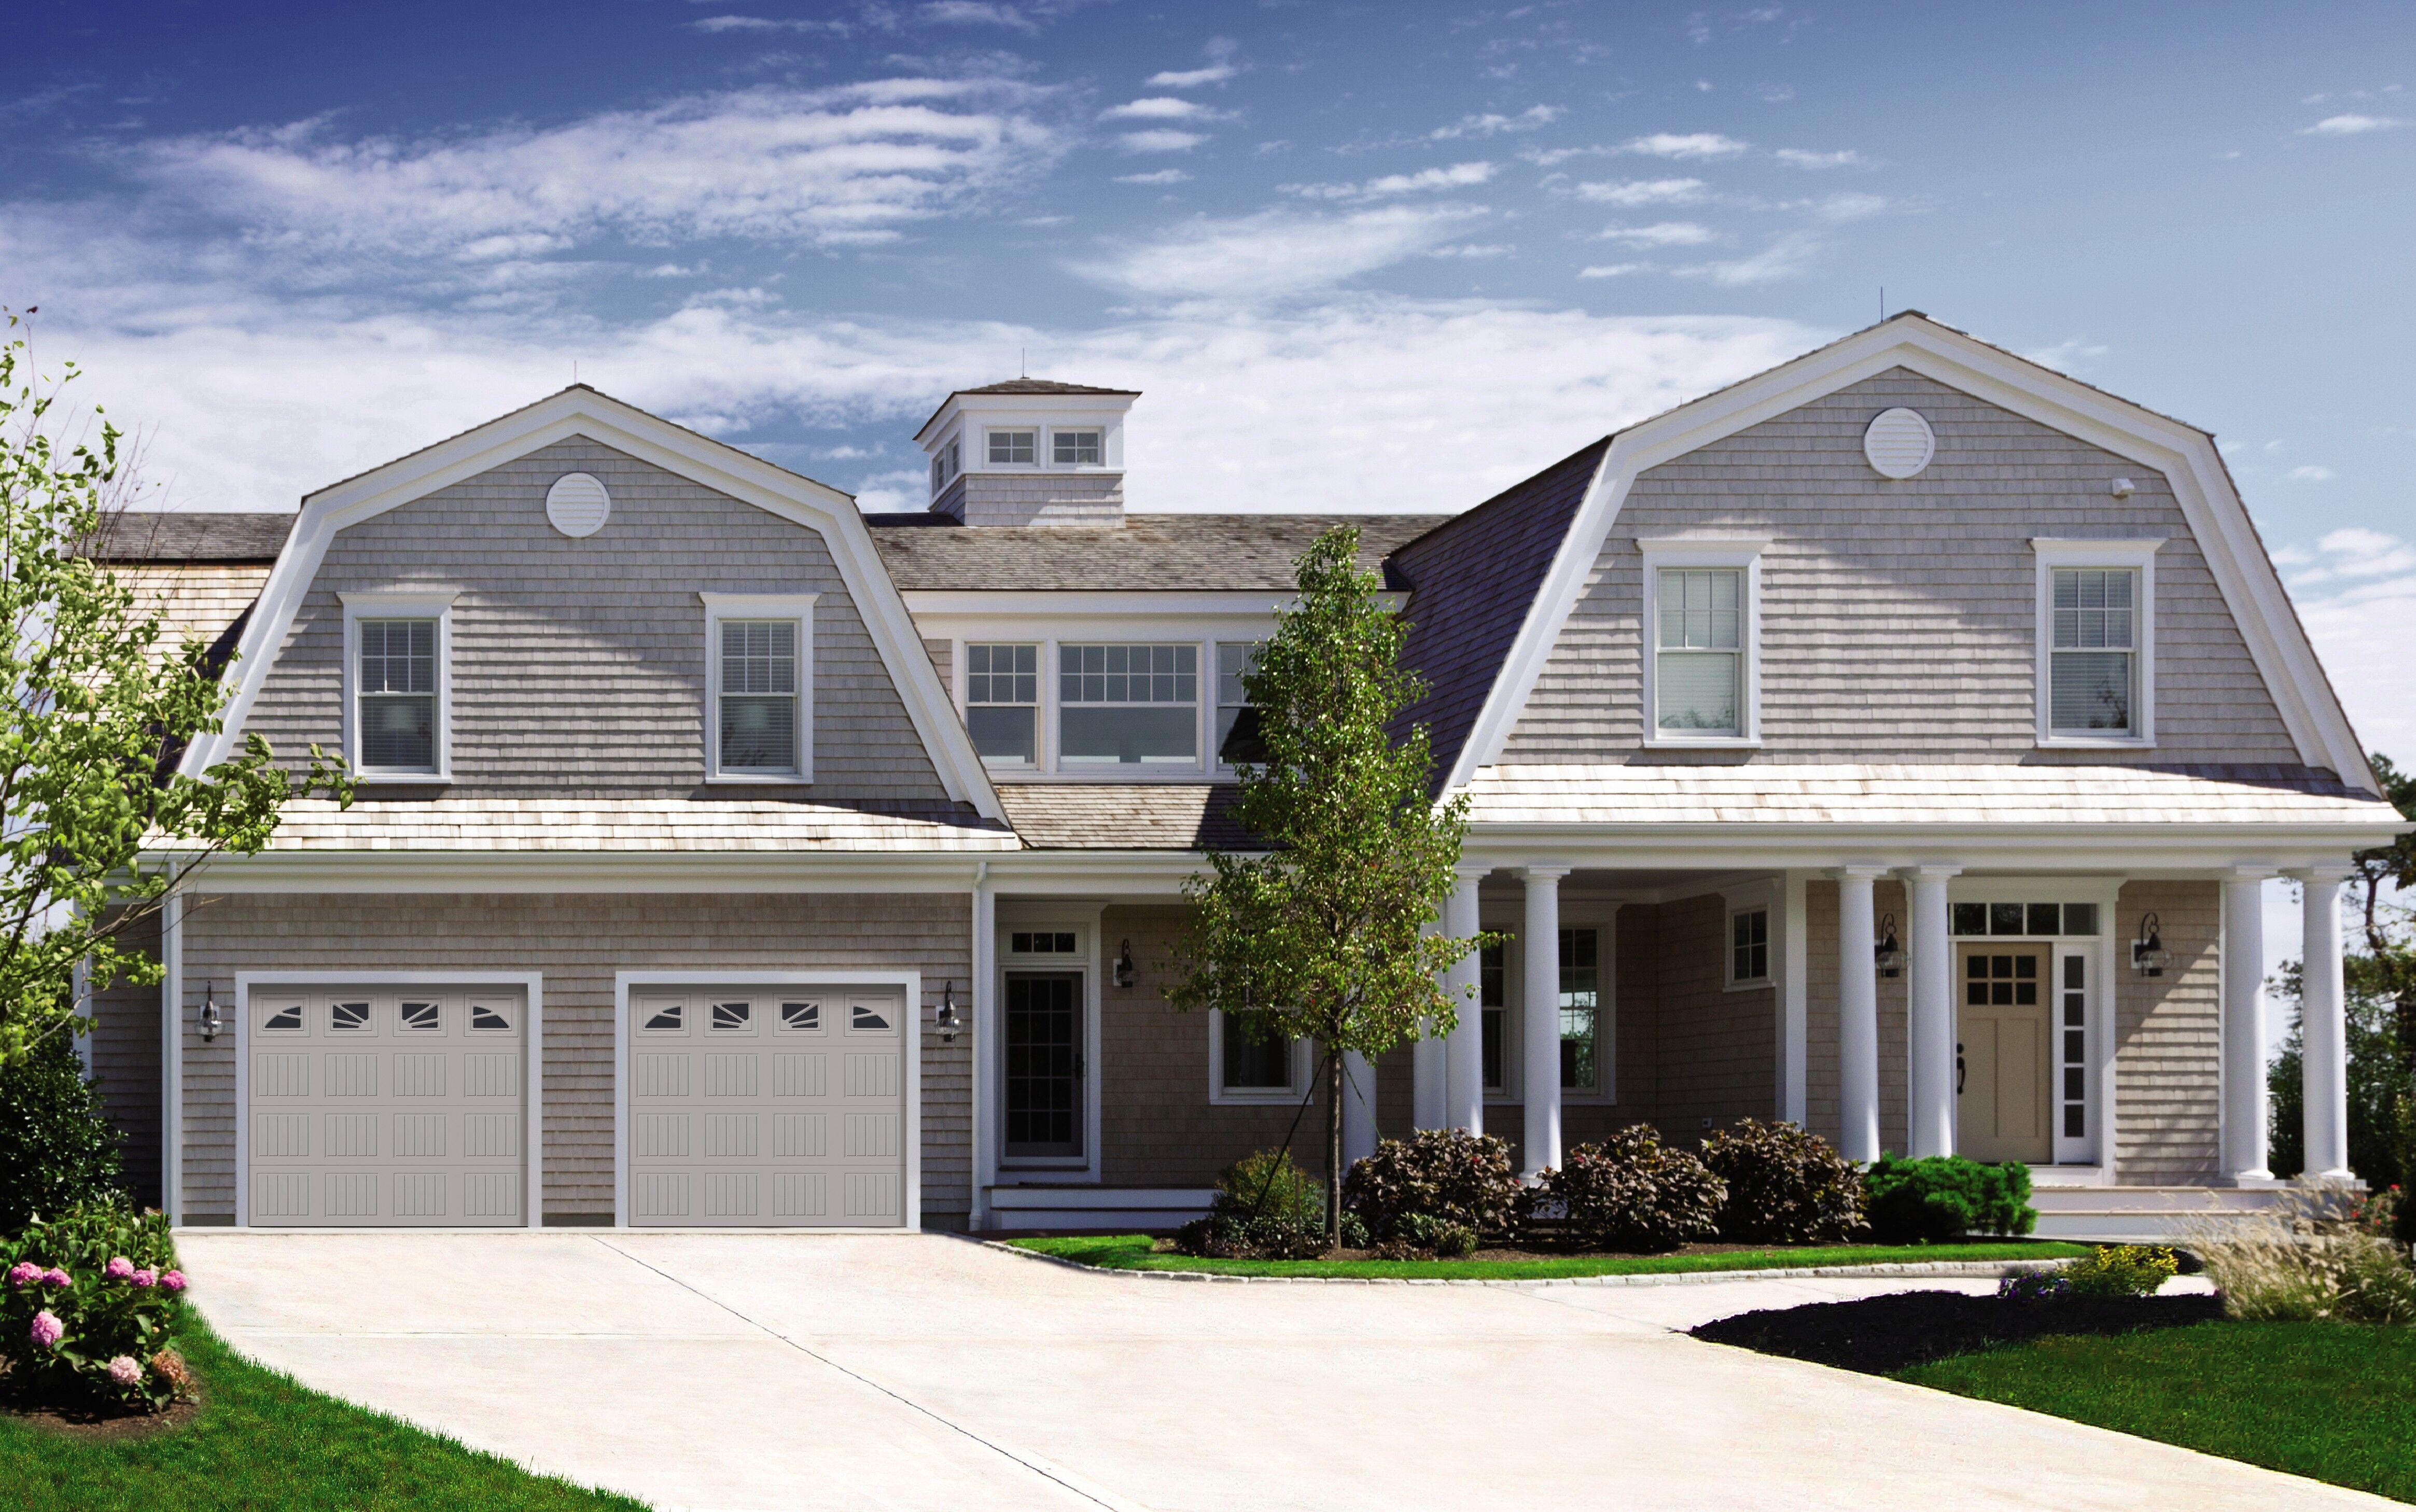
1043, 1063
2001, 1058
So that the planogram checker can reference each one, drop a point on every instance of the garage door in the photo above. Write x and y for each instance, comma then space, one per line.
767, 1107
369, 1108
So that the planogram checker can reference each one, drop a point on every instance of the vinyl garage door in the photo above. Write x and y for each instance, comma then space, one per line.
767, 1107
368, 1108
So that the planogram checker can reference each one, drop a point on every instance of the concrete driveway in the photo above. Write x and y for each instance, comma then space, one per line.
760, 1371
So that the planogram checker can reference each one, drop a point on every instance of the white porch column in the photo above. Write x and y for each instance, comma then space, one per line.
2243, 1025
1930, 1033
986, 1045
1427, 1100
171, 1052
1358, 1108
1540, 1003
2324, 1029
1465, 1050
1858, 1015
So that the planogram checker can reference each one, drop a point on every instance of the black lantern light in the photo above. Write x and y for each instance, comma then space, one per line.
946, 1019
213, 1017
2148, 957
1888, 955
1125, 965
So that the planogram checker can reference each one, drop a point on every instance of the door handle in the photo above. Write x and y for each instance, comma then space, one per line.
1959, 1069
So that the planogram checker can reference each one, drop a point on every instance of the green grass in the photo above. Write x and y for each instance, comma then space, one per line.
261, 1441
2323, 1399
1136, 1252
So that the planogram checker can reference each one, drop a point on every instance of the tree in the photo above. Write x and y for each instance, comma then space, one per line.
103, 707
1317, 936
2374, 1086
2388, 969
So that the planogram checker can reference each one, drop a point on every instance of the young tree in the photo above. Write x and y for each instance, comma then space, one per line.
100, 710
1318, 935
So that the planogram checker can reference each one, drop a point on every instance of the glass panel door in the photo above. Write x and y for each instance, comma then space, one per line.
1043, 1063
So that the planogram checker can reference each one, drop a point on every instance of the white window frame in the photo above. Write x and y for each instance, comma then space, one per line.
798, 608
1051, 456
1215, 650
1606, 1005
2138, 556
1221, 1096
947, 462
1743, 554
1203, 706
1513, 1089
1770, 945
989, 438
962, 654
435, 604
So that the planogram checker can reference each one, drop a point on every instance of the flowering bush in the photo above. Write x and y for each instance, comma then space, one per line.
2124, 1271
1634, 1193
89, 1304
2034, 1286
1446, 1175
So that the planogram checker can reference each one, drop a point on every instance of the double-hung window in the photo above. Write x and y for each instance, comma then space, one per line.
1237, 723
1749, 947
1003, 703
1581, 1060
1249, 1065
1128, 706
398, 685
1074, 448
1701, 669
1011, 449
759, 688
2096, 641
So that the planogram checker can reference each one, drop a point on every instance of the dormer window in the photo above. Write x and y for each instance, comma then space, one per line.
398, 686
1012, 449
1074, 448
946, 463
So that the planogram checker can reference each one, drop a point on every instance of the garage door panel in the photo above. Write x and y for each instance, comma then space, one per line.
765, 1107
418, 1115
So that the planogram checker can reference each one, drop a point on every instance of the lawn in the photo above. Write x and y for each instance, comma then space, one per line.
260, 1440
1138, 1252
2321, 1399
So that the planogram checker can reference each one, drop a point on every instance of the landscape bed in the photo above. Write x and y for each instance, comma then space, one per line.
1141, 1252
256, 1439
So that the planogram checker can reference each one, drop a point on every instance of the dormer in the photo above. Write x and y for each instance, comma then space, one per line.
1029, 451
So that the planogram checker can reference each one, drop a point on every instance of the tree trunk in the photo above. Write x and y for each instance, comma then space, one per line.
1333, 1149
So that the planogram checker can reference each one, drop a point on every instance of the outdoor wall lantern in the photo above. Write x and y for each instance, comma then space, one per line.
1125, 965
946, 1020
1887, 952
213, 1017
2148, 957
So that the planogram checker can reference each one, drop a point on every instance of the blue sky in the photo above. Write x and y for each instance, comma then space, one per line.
1356, 256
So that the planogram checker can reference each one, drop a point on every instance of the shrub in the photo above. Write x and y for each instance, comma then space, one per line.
1270, 1185
58, 1149
1633, 1192
2033, 1286
89, 1304
2307, 1260
1354, 1231
1449, 1175
2124, 1271
1454, 1241
1238, 1236
1784, 1186
1942, 1198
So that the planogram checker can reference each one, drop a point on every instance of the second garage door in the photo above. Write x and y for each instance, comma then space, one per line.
766, 1107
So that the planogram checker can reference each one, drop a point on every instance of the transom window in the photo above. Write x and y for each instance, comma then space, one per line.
1128, 704
2094, 678
1074, 448
1041, 942
397, 694
2033, 920
758, 695
1011, 448
1749, 947
1002, 702
1698, 669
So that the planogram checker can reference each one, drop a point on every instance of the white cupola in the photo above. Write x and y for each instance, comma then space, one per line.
1029, 451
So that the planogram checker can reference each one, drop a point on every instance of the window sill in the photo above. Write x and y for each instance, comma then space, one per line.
759, 779
2095, 743
1702, 743
1759, 985
1269, 1099
401, 779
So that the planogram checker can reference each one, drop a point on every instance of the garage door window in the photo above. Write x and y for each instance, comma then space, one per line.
423, 1019
490, 1019
661, 1018
801, 1018
282, 1018
863, 1018
347, 1018
734, 1017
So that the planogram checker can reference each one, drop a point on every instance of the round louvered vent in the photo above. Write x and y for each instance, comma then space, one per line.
1899, 444
578, 505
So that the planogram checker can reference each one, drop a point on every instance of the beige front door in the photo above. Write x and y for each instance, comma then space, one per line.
2000, 1057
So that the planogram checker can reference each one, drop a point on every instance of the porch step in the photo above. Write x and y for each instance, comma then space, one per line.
1101, 1209
2134, 1215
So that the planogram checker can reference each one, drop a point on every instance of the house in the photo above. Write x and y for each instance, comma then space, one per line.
1896, 742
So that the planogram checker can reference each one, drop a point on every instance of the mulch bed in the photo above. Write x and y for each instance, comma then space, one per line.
87, 1426
1558, 1252
1881, 1335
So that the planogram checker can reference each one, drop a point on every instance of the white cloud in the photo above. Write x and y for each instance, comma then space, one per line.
1158, 108
2351, 126
1798, 157
1693, 145
1459, 175
1164, 176
2311, 473
2066, 356
764, 24
1850, 206
1273, 252
1661, 234
2355, 591
1534, 118
1191, 78
1638, 192
1160, 141
977, 14
1613, 270
1790, 256
1475, 249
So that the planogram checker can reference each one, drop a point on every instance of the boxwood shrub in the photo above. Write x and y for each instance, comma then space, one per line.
1633, 1192
1448, 1176
1942, 1198
58, 1149
1785, 1185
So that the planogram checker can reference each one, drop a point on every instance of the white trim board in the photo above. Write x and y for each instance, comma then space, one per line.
2251, 589
583, 411
909, 983
532, 986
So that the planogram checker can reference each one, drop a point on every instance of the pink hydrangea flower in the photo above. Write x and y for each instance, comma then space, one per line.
118, 1268
48, 1330
24, 1273
145, 1277
56, 1277
172, 1280
124, 1370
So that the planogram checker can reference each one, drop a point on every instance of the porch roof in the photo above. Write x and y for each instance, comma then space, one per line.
452, 822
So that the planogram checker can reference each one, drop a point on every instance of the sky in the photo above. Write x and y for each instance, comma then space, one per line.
1387, 256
